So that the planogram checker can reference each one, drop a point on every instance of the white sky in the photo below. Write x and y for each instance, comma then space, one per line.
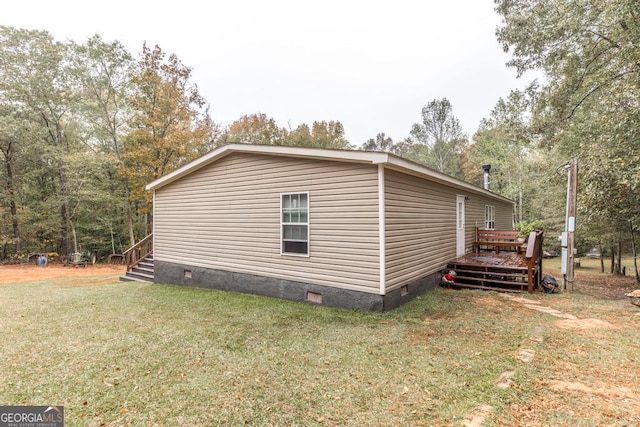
372, 64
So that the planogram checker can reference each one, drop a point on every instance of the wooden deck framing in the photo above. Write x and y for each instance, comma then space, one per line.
500, 270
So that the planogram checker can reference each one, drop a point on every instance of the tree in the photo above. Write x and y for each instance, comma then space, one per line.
380, 143
255, 129
440, 132
322, 134
14, 134
588, 48
506, 142
329, 135
169, 125
104, 70
589, 51
37, 76
300, 136
82, 129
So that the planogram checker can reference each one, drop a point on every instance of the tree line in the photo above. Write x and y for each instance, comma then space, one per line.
83, 127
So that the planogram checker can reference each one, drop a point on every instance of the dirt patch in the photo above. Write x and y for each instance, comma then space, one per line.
25, 273
609, 391
519, 299
583, 324
504, 381
605, 286
476, 419
550, 311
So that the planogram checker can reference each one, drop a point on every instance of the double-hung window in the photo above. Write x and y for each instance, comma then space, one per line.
294, 223
489, 217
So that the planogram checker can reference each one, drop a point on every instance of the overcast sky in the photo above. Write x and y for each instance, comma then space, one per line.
372, 64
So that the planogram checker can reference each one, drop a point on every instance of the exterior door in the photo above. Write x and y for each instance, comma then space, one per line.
460, 229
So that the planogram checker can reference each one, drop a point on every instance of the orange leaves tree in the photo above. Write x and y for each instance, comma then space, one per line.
169, 126
263, 130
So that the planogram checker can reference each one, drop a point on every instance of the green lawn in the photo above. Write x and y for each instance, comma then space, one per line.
139, 354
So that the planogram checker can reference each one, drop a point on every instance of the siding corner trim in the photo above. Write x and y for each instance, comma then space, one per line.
382, 230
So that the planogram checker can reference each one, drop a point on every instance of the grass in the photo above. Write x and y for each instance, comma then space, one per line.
138, 354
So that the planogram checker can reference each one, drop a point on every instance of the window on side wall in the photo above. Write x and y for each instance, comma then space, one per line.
489, 217
294, 223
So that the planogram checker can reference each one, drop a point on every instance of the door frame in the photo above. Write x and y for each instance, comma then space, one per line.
461, 243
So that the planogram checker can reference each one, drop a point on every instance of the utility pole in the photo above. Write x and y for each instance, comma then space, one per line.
570, 226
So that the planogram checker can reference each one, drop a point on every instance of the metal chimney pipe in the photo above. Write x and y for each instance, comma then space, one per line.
487, 169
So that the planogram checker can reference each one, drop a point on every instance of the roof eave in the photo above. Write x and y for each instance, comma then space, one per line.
390, 161
406, 166
314, 153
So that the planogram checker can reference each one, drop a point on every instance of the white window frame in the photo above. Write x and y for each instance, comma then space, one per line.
283, 224
489, 217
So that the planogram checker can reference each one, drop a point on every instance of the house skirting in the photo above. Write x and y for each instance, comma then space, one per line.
185, 275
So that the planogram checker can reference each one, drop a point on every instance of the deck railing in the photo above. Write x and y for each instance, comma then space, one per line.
501, 262
533, 257
138, 252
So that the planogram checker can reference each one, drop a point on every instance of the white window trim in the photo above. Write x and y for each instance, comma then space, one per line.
282, 252
489, 217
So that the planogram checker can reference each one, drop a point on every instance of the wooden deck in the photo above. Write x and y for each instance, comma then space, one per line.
502, 271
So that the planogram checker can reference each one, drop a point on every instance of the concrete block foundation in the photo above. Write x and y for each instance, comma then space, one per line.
185, 275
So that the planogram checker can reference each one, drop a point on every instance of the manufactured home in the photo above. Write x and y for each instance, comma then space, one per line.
354, 229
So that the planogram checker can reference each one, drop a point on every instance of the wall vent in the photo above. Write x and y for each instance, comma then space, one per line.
314, 297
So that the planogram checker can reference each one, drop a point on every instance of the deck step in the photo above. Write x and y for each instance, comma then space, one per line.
135, 278
488, 274
502, 267
500, 284
486, 288
495, 278
142, 272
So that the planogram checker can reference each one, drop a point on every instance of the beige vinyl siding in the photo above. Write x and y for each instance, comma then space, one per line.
420, 228
227, 216
475, 215
504, 215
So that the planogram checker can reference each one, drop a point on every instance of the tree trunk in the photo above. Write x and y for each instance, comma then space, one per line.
13, 210
620, 257
74, 236
520, 191
113, 243
633, 250
132, 235
613, 259
601, 259
64, 212
127, 193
